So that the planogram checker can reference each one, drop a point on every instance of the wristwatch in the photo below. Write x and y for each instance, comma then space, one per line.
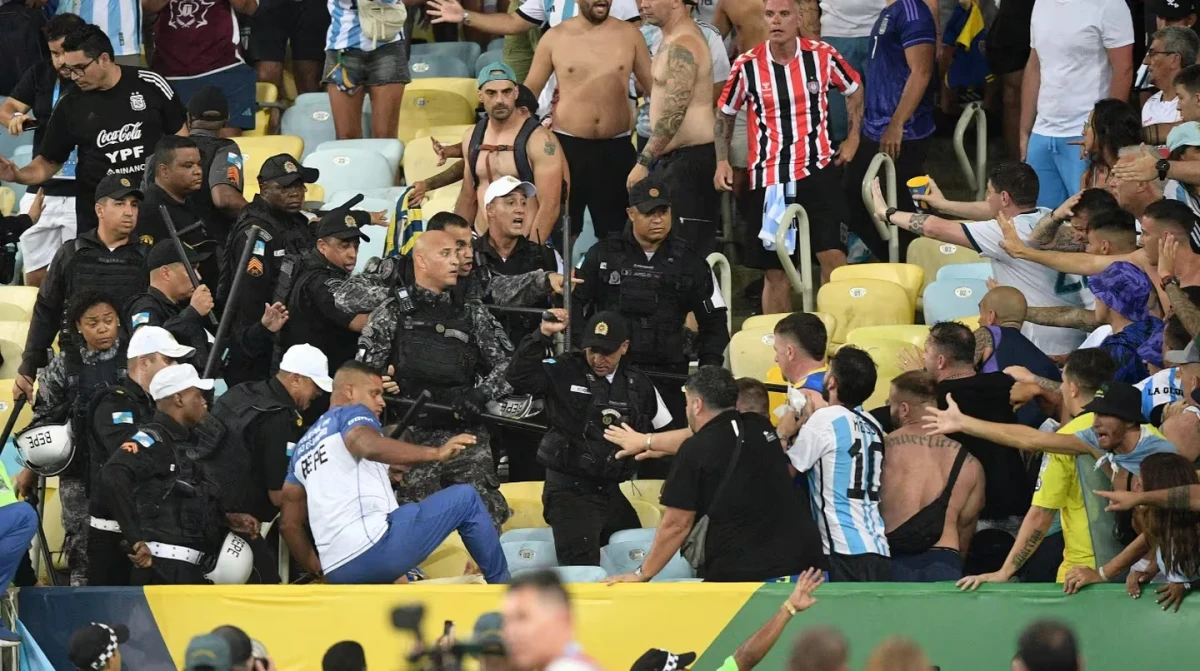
887, 216
1163, 166
1169, 280
638, 572
644, 160
466, 18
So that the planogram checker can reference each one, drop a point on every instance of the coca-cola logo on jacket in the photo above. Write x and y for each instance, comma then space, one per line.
127, 133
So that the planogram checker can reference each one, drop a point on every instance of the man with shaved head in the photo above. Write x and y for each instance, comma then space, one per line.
437, 340
999, 344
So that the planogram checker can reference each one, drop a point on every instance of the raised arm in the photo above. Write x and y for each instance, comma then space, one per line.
449, 11
750, 653
366, 442
1186, 497
952, 420
1063, 317
920, 223
467, 205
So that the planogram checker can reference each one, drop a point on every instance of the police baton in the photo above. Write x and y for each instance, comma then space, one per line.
676, 377
18, 406
567, 268
179, 247
491, 419
239, 274
406, 420
541, 312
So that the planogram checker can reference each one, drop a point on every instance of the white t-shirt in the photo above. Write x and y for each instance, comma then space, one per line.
849, 18
1156, 111
1096, 337
1071, 38
349, 499
1043, 287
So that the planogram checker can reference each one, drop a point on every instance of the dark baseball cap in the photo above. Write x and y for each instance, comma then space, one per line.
344, 224
209, 104
117, 187
1172, 9
208, 651
487, 637
285, 170
1118, 399
164, 253
93, 644
605, 332
662, 660
498, 71
649, 195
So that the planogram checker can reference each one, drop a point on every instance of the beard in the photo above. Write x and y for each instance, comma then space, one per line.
500, 112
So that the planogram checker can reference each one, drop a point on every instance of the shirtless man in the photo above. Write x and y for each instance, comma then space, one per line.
932, 489
593, 117
681, 121
496, 158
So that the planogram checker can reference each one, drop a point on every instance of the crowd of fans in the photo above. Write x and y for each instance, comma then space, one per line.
360, 417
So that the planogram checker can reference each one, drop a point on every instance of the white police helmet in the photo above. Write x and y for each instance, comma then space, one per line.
233, 563
46, 449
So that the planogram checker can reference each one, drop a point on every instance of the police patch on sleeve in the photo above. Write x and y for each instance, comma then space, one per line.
142, 438
291, 447
141, 319
122, 418
260, 248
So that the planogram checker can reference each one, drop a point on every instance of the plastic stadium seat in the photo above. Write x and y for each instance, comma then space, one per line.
256, 151
6, 407
974, 271
12, 346
437, 66
390, 148
914, 334
643, 490
22, 156
649, 514
390, 194
541, 535
522, 490
447, 561
8, 202
526, 514
13, 313
569, 574
289, 92
496, 44
464, 52
885, 353
932, 255
9, 143
347, 168
314, 194
864, 302
438, 101
618, 558
311, 119
487, 58
907, 275
771, 320
644, 535
421, 162
530, 555
947, 300
442, 200
752, 352
971, 322
451, 134
267, 96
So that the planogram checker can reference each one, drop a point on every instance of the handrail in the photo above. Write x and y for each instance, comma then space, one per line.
886, 231
976, 174
801, 281
725, 283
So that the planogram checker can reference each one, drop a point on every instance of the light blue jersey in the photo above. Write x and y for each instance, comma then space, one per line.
1162, 388
121, 20
345, 31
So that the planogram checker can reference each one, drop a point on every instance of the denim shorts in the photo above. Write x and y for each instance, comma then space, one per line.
387, 64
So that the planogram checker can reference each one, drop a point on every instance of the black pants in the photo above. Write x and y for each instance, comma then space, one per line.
521, 446
598, 172
266, 557
859, 568
671, 390
108, 564
583, 514
695, 204
910, 164
168, 572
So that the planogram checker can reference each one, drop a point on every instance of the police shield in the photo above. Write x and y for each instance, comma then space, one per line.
46, 449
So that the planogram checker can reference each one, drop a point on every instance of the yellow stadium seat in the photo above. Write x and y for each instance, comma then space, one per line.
885, 353
256, 151
436, 101
907, 275
315, 193
447, 561
970, 322
522, 490
6, 408
752, 352
22, 297
649, 514
641, 490
932, 254
13, 313
265, 92
864, 302
12, 346
290, 92
827, 319
914, 334
420, 161
8, 201
455, 131
527, 514
442, 200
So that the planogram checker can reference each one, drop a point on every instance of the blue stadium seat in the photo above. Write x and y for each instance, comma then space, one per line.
463, 52
975, 271
311, 119
580, 573
488, 57
21, 155
644, 535
947, 300
496, 44
438, 66
9, 143
540, 534
391, 194
390, 148
618, 558
529, 555
346, 169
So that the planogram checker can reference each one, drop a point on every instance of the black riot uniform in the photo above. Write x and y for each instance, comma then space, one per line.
263, 423
160, 495
79, 264
220, 163
582, 498
116, 413
282, 233
153, 308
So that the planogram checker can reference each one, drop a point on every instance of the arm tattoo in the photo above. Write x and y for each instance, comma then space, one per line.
1179, 498
1063, 317
810, 19
451, 175
681, 78
1044, 232
1181, 305
1066, 241
1027, 551
722, 134
854, 110
916, 223
1048, 385
983, 342
550, 147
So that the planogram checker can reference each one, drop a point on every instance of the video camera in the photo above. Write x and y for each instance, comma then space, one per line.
446, 654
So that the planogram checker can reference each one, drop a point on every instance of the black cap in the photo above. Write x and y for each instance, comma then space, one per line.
344, 224
208, 103
649, 194
118, 186
663, 660
1172, 9
526, 99
285, 170
605, 332
92, 645
1118, 399
164, 253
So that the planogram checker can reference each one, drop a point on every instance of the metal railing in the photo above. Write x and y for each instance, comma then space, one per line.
886, 231
976, 174
723, 271
801, 281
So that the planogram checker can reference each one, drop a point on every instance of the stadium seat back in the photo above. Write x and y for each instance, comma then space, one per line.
496, 44
464, 52
643, 490
9, 143
827, 319
8, 202
541, 535
970, 271
7, 405
264, 92
950, 299
13, 313
12, 346
522, 490
886, 355
907, 275
932, 255
22, 155
447, 561
256, 151
649, 514
864, 302
624, 557
530, 555
487, 58
526, 514
569, 574
450, 134
309, 118
752, 352
390, 148
444, 101
913, 334
644, 535
389, 194
347, 168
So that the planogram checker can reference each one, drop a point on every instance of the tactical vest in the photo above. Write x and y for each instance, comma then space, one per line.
519, 148
588, 454
175, 503
98, 453
210, 147
238, 410
436, 348
296, 271
527, 256
652, 297
84, 384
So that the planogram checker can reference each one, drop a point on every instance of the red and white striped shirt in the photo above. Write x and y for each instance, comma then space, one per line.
789, 111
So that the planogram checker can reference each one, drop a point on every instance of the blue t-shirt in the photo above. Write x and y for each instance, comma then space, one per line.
903, 24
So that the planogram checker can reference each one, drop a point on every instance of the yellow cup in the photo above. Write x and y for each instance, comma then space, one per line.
919, 186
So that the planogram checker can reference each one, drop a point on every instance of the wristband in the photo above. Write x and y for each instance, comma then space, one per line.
1140, 566
649, 439
1103, 575
789, 607
466, 18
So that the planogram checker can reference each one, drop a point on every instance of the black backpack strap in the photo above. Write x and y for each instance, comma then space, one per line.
473, 147
954, 472
521, 149
740, 429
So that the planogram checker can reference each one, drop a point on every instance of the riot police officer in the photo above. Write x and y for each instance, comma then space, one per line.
653, 279
106, 257
116, 413
219, 200
457, 351
586, 392
168, 507
171, 302
285, 230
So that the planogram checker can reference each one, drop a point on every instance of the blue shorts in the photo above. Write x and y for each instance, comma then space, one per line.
238, 85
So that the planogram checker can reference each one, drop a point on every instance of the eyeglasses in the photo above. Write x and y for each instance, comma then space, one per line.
74, 71
1152, 53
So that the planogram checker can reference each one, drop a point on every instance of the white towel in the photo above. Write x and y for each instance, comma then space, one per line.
774, 205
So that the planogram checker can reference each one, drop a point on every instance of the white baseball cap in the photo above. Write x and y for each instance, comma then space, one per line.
156, 339
506, 185
176, 378
310, 362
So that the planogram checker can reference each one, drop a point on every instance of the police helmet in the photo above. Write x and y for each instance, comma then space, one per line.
233, 564
46, 449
